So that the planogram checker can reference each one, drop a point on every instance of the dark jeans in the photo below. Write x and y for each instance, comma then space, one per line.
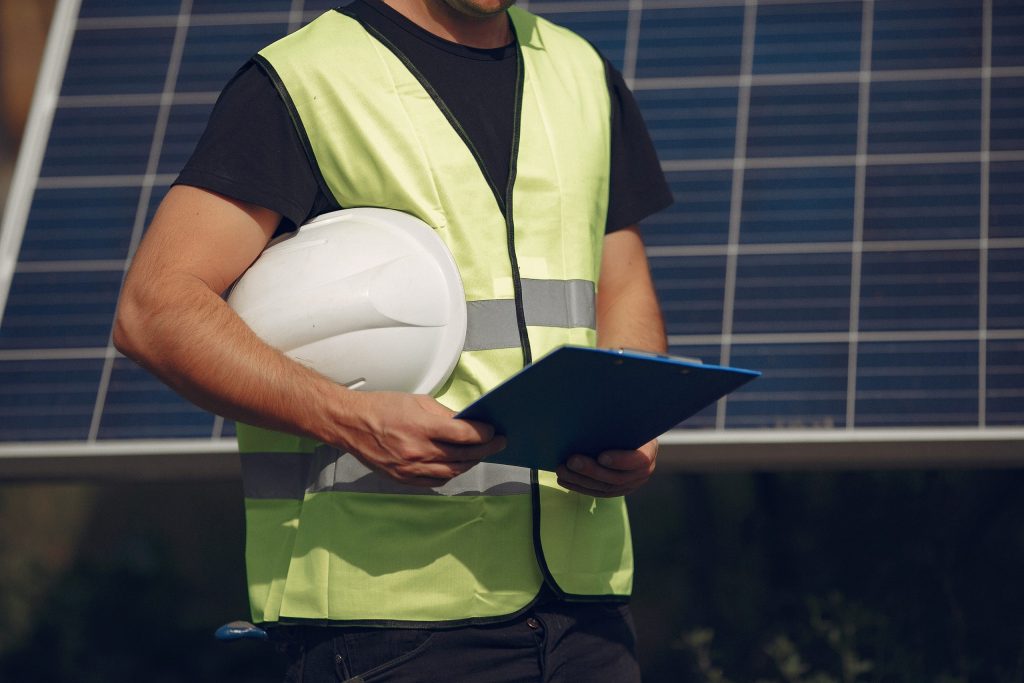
553, 642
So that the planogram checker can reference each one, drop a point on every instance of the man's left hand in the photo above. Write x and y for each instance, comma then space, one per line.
610, 474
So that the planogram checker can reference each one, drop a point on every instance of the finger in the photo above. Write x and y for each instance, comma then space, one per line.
579, 484
583, 480
625, 460
431, 475
589, 468
435, 407
438, 417
474, 452
464, 431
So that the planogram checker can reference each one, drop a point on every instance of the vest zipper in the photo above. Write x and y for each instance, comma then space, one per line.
504, 200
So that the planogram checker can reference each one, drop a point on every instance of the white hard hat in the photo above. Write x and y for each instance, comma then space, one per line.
370, 298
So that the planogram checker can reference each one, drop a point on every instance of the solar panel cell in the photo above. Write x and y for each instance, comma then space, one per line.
690, 41
60, 309
213, 53
606, 30
917, 383
797, 292
127, 8
1005, 382
118, 61
80, 224
231, 6
803, 386
1006, 289
802, 120
925, 116
1006, 201
808, 37
47, 399
691, 123
1007, 28
798, 205
138, 406
1008, 113
691, 290
700, 214
920, 290
922, 202
927, 35
99, 141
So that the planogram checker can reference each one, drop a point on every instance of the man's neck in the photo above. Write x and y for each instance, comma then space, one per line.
438, 17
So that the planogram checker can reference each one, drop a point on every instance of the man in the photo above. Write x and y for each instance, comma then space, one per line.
524, 150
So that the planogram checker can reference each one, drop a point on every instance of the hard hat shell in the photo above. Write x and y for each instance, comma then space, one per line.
371, 298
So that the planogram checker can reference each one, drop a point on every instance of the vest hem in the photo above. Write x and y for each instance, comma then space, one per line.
538, 551
402, 623
289, 622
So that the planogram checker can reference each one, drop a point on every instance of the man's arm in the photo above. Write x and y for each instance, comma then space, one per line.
628, 316
172, 320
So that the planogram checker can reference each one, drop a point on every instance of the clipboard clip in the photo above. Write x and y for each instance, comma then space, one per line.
650, 354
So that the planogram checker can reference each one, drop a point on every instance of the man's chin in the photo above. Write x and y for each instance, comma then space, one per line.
480, 9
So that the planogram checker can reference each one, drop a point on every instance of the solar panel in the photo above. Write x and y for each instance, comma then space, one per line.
848, 220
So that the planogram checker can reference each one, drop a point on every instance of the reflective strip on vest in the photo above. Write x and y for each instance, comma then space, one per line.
546, 303
293, 475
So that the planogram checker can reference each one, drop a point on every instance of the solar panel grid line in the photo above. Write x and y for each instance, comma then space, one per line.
736, 198
871, 246
142, 208
241, 18
822, 77
218, 427
891, 159
983, 210
633, 19
68, 266
100, 181
843, 337
135, 99
34, 142
736, 195
859, 192
296, 16
53, 354
682, 4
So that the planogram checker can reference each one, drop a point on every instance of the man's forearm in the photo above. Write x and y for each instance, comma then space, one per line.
204, 351
633, 322
628, 314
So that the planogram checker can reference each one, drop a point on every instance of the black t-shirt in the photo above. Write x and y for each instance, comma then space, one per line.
250, 150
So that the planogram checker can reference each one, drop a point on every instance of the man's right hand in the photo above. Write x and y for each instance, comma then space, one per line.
410, 437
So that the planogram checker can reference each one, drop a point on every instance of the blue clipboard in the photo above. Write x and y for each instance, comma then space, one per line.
584, 400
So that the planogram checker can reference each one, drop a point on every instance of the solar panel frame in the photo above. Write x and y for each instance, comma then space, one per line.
755, 117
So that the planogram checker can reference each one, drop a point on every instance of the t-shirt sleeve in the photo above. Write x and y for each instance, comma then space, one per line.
250, 151
637, 185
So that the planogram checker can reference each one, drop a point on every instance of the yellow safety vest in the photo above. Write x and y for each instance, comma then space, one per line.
329, 540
